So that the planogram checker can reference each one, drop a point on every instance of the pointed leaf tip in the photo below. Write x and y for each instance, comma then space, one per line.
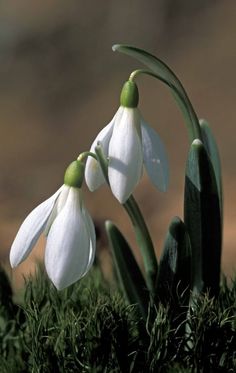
197, 142
115, 47
127, 270
174, 278
108, 224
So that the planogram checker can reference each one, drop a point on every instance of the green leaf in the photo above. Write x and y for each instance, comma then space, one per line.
175, 269
213, 152
203, 219
167, 76
128, 272
144, 242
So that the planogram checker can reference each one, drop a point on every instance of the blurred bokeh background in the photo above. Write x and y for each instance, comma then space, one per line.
60, 84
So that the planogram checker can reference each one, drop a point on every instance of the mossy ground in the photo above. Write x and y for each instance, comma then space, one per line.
89, 327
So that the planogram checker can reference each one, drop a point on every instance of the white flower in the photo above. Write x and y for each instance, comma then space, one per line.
70, 246
128, 143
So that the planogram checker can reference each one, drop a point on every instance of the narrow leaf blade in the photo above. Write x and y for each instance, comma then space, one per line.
175, 269
203, 219
127, 269
213, 152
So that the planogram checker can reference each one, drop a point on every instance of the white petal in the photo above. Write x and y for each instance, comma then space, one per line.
57, 207
125, 154
30, 230
92, 235
68, 244
93, 173
155, 158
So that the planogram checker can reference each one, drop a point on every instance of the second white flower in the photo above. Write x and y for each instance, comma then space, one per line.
128, 143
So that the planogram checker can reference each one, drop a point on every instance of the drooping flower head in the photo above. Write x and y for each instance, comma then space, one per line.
69, 230
128, 143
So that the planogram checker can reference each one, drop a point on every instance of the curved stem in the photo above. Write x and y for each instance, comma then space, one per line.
137, 72
84, 155
162, 70
102, 161
193, 127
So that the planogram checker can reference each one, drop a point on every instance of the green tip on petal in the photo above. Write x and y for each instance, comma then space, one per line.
74, 174
129, 96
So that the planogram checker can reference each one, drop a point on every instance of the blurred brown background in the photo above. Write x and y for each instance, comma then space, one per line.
60, 84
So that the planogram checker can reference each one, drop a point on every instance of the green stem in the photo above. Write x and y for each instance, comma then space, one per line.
193, 127
102, 161
141, 231
84, 155
144, 242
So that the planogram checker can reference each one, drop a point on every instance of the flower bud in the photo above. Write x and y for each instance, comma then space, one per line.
129, 96
74, 174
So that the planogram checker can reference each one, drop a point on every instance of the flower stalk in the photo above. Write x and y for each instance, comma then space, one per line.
144, 242
163, 72
193, 127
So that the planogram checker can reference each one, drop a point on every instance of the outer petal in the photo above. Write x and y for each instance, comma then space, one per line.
30, 230
93, 174
125, 155
155, 158
68, 244
92, 235
57, 207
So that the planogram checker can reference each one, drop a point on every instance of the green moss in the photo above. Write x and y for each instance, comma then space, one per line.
89, 327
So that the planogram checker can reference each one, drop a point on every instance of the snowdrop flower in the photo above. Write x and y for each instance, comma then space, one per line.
128, 143
70, 243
